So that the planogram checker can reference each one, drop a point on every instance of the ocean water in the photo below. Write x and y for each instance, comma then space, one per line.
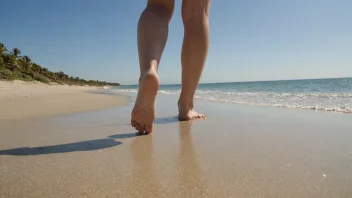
330, 95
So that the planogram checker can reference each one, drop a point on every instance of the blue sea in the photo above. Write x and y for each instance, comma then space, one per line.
330, 95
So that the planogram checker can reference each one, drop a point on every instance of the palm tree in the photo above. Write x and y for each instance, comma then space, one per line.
52, 75
11, 62
3, 52
16, 52
2, 63
2, 49
26, 63
66, 77
44, 71
36, 68
60, 75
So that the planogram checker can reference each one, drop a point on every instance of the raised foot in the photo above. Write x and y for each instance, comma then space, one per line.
143, 113
190, 115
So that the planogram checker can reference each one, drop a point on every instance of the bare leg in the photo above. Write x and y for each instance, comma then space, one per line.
152, 36
195, 16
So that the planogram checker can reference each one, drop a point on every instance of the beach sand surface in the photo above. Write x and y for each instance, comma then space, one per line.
20, 99
239, 151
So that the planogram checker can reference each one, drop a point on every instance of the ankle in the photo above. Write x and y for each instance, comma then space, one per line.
148, 75
185, 106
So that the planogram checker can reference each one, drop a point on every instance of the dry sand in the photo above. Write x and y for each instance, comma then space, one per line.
20, 99
237, 152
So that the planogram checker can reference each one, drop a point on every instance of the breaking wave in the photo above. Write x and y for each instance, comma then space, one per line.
329, 102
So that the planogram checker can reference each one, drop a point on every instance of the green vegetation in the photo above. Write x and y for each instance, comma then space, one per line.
13, 66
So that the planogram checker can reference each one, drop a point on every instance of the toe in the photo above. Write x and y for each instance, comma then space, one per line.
136, 126
133, 123
149, 128
141, 128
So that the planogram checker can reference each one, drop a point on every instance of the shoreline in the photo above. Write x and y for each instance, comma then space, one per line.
19, 99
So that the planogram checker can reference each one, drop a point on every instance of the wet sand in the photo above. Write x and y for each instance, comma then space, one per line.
239, 151
20, 99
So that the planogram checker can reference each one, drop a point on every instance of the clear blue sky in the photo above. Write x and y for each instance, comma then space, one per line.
250, 39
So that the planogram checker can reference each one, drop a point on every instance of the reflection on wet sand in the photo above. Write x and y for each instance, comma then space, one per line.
191, 182
144, 178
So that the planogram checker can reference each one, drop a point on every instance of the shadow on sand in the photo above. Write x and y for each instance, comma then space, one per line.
88, 145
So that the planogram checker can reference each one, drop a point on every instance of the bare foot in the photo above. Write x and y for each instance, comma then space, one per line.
143, 113
187, 113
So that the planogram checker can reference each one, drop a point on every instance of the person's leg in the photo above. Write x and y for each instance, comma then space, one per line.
195, 16
152, 35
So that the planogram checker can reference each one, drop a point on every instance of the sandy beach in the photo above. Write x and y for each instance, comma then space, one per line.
239, 151
19, 99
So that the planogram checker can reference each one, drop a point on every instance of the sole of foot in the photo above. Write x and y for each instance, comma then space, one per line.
143, 113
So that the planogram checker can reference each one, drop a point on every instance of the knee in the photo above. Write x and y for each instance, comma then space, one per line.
195, 11
162, 6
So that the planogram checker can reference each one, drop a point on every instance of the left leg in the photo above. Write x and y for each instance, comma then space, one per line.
152, 33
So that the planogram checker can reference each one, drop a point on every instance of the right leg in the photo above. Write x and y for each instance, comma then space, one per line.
152, 35
195, 16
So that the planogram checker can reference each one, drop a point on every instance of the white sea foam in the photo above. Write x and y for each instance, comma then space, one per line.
329, 102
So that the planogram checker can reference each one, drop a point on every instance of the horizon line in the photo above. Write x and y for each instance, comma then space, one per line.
256, 81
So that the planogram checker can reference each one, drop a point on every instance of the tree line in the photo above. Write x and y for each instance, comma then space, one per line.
13, 66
